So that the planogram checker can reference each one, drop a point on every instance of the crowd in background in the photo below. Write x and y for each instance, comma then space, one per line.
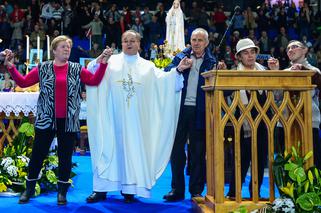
271, 27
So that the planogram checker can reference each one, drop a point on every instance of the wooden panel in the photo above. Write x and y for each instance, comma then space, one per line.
297, 125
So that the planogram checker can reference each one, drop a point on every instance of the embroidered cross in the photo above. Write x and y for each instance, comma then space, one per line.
129, 87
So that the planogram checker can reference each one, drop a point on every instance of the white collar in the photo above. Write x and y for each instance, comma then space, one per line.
130, 58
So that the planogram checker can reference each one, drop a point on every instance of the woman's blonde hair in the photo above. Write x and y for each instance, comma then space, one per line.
58, 39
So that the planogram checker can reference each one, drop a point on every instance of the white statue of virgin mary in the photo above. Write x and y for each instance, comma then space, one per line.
175, 27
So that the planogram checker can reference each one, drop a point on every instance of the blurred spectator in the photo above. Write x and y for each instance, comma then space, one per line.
112, 32
137, 14
28, 25
34, 10
282, 18
283, 58
96, 28
33, 37
249, 19
219, 19
146, 20
194, 14
67, 17
16, 36
265, 43
17, 14
238, 22
127, 16
203, 19
46, 11
7, 85
262, 21
5, 33
312, 57
3, 13
115, 48
8, 7
282, 39
252, 36
291, 14
161, 16
138, 27
304, 21
229, 57
113, 13
82, 17
306, 42
234, 39
153, 51
20, 58
154, 31
123, 25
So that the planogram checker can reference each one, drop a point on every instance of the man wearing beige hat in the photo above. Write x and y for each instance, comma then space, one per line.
246, 53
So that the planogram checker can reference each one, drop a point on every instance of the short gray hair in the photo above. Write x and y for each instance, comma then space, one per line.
200, 31
137, 35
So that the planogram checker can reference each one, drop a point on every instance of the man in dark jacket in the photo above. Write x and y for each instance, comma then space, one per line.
191, 122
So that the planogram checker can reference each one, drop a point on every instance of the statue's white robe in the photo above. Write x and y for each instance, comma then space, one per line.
131, 137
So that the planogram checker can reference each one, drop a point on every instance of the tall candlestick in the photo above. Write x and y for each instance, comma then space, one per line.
48, 48
27, 47
38, 48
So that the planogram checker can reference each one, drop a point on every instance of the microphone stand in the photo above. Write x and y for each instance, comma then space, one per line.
223, 37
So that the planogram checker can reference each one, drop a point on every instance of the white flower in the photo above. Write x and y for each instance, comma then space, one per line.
12, 170
24, 159
283, 205
6, 162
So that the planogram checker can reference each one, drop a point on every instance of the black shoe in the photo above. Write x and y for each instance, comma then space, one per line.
62, 193
28, 193
173, 196
128, 198
96, 197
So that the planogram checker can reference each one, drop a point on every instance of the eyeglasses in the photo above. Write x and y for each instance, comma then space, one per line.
293, 47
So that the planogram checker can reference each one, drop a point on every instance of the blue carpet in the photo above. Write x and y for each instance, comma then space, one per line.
114, 203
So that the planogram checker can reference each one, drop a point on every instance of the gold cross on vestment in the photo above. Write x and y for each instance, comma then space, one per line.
129, 87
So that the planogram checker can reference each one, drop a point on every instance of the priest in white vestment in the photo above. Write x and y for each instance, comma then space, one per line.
175, 27
132, 118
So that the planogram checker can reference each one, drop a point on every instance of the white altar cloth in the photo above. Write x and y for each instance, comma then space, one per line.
17, 102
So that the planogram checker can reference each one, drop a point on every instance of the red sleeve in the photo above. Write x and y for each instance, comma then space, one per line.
93, 79
24, 81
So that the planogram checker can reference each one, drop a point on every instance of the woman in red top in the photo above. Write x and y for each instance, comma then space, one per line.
58, 109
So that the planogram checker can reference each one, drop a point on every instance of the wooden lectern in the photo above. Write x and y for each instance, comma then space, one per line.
297, 127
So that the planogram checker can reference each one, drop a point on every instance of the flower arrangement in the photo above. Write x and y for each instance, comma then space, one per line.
15, 160
164, 55
301, 186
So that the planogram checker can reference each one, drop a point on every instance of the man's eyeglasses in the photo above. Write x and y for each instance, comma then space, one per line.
293, 47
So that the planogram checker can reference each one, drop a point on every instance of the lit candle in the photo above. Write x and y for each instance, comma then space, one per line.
38, 48
27, 47
48, 48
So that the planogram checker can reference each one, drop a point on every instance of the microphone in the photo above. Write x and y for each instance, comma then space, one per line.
237, 8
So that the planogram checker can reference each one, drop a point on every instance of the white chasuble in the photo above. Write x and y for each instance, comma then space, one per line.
132, 118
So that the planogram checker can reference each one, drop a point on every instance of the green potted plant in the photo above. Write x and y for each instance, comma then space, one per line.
302, 186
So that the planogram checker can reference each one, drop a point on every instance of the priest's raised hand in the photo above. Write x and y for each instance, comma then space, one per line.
104, 57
